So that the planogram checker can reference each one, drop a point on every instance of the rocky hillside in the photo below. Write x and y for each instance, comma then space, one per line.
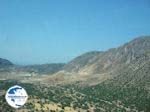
111, 60
122, 63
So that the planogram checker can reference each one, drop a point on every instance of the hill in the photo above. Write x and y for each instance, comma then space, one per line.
113, 59
5, 63
95, 67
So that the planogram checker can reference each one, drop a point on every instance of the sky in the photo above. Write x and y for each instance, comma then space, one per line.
56, 31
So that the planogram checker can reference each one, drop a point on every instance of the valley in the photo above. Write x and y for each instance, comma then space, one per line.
116, 80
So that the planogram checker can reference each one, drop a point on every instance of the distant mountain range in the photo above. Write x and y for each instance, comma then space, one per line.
7, 66
42, 69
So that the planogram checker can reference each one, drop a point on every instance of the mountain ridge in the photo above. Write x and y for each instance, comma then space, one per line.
124, 53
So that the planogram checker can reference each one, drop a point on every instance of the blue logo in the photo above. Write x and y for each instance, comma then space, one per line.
16, 96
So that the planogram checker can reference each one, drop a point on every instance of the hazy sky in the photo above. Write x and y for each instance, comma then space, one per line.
48, 31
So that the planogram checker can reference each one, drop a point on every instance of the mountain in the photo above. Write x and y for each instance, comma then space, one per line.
95, 67
99, 62
5, 63
81, 61
5, 66
126, 86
